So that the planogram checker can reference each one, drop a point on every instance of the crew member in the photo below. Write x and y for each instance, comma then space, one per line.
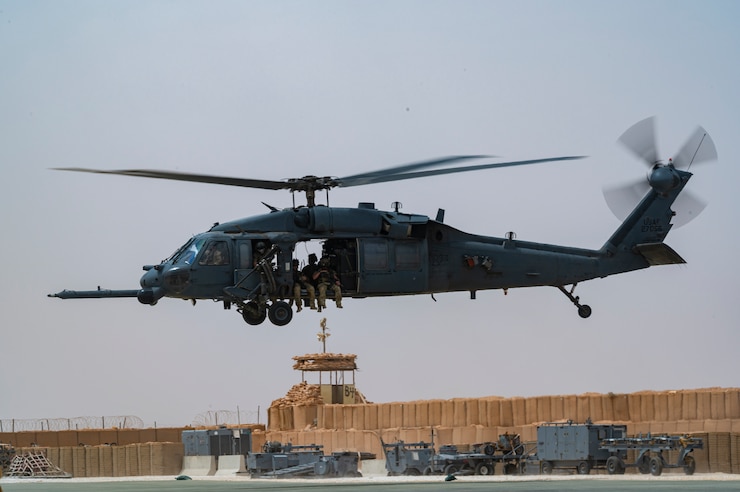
326, 277
300, 281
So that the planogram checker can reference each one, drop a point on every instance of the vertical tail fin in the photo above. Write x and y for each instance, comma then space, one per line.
639, 240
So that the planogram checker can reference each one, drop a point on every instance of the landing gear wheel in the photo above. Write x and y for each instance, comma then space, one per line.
689, 465
253, 314
656, 466
484, 469
584, 311
280, 313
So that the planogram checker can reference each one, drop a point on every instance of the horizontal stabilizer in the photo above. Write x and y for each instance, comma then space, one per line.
659, 254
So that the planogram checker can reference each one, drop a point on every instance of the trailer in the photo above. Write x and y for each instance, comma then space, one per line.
649, 451
420, 458
288, 461
277, 459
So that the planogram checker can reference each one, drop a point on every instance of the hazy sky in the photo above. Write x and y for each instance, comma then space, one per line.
280, 89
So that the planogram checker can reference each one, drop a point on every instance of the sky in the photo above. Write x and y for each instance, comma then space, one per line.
279, 89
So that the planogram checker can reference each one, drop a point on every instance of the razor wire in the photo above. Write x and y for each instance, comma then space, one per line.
225, 417
74, 423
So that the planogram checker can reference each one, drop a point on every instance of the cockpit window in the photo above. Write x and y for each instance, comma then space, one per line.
216, 253
190, 251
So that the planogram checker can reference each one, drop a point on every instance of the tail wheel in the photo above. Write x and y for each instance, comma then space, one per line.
584, 311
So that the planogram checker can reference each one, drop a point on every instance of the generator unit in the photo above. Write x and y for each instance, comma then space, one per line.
217, 442
569, 445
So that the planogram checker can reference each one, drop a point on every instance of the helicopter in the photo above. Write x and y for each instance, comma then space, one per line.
247, 263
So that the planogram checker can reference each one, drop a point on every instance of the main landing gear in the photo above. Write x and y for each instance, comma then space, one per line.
584, 310
255, 313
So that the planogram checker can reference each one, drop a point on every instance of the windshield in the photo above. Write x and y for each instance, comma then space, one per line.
188, 252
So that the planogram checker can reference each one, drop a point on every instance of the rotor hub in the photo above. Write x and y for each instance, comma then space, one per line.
664, 178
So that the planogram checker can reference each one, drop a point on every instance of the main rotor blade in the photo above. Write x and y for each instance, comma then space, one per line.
382, 178
196, 178
640, 140
413, 167
697, 149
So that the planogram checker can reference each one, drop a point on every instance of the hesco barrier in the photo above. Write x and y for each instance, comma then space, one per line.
713, 414
714, 404
95, 437
154, 458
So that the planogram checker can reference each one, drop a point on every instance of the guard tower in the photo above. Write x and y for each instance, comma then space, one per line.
332, 370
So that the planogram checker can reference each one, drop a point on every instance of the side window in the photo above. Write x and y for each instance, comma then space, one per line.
245, 255
215, 254
408, 256
375, 254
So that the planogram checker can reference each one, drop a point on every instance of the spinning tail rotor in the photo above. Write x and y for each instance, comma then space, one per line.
640, 140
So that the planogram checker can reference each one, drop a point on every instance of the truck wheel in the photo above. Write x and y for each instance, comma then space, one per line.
614, 466
489, 449
547, 468
656, 466
450, 469
644, 465
412, 472
584, 468
484, 469
689, 465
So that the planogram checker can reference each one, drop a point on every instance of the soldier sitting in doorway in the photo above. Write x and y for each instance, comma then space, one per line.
326, 277
301, 281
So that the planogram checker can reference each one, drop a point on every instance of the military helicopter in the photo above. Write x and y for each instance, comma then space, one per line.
247, 263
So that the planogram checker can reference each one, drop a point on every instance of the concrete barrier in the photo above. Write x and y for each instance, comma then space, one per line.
230, 465
373, 468
198, 466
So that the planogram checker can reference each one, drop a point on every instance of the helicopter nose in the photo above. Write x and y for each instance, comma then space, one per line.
151, 278
151, 290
